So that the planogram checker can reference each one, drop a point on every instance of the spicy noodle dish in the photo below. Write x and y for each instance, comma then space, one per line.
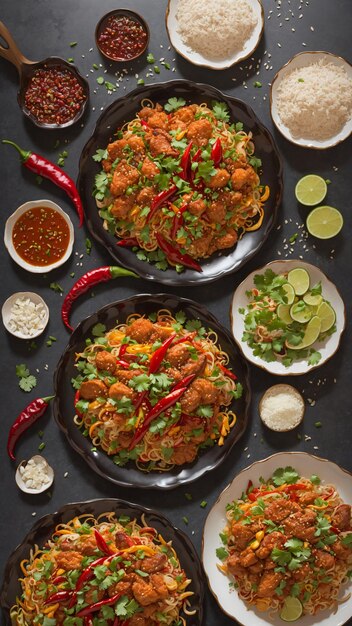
287, 545
179, 183
155, 390
102, 571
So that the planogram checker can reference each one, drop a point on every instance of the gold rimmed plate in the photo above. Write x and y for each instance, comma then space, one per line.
228, 600
199, 59
327, 348
303, 59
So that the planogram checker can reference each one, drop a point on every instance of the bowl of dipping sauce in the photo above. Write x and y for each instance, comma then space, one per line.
39, 236
122, 35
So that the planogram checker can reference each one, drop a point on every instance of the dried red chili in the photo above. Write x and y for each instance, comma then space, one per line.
175, 256
101, 543
54, 96
97, 606
159, 199
39, 165
26, 418
159, 354
123, 38
216, 152
88, 280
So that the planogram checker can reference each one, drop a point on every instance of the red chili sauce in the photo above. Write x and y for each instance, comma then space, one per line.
122, 38
41, 236
54, 96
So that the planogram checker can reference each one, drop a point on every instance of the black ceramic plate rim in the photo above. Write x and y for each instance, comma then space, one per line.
188, 473
92, 506
170, 276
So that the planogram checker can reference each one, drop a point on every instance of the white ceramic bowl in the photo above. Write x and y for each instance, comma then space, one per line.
6, 312
199, 59
228, 600
10, 223
327, 348
49, 470
302, 60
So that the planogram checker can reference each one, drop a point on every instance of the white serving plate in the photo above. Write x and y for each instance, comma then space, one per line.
228, 600
327, 348
302, 60
10, 223
199, 59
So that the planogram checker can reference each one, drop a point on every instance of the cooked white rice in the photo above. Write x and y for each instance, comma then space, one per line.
216, 29
315, 101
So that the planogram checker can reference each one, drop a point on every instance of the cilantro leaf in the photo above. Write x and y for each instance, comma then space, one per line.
100, 155
174, 103
221, 111
205, 410
27, 384
22, 370
206, 169
140, 383
347, 540
316, 289
314, 357
315, 479
98, 330
285, 475
237, 393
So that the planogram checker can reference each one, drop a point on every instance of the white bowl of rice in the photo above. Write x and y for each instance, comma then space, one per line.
25, 314
215, 34
311, 100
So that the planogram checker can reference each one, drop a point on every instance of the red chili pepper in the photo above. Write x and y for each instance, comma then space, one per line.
145, 124
162, 405
185, 382
159, 354
101, 543
252, 497
227, 372
88, 280
139, 400
25, 419
59, 596
216, 153
122, 363
148, 529
175, 256
160, 199
123, 349
250, 484
185, 338
39, 165
76, 399
59, 579
88, 620
335, 530
97, 606
177, 221
128, 242
185, 162
296, 487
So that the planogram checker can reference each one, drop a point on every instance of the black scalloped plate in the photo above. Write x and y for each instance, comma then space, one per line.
45, 526
99, 461
125, 109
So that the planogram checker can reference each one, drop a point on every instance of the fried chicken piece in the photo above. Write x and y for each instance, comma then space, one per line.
268, 583
274, 540
242, 177
105, 361
124, 176
226, 241
122, 205
69, 560
342, 517
178, 355
149, 168
153, 564
200, 391
185, 453
118, 391
200, 132
196, 207
301, 525
140, 330
323, 559
216, 212
279, 509
160, 143
93, 389
149, 592
220, 179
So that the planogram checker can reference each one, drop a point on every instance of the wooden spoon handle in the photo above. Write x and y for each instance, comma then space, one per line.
11, 52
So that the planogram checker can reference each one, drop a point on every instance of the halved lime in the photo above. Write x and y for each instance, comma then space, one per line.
312, 300
327, 315
291, 610
299, 279
300, 312
283, 312
310, 190
311, 334
324, 222
290, 292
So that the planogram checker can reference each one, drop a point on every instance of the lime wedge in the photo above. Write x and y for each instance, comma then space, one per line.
301, 312
310, 190
311, 334
312, 300
290, 292
327, 316
291, 610
324, 222
299, 279
283, 312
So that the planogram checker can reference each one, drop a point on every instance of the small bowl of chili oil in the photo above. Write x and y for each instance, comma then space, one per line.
122, 35
39, 236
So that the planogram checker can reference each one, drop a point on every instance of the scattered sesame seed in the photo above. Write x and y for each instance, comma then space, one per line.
34, 514
65, 474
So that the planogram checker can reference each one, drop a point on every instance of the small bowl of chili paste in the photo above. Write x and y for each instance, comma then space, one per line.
39, 236
122, 35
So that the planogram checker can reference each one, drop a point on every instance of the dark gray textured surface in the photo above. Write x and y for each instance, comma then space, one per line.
45, 27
